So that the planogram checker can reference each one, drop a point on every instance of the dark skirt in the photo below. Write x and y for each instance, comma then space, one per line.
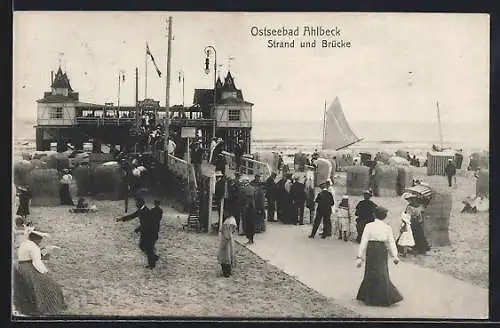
65, 195
421, 244
36, 293
24, 208
377, 288
261, 222
249, 223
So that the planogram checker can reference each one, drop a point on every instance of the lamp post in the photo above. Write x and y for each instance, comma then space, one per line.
121, 78
208, 50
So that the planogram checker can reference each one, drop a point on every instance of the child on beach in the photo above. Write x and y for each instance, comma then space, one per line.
405, 240
344, 219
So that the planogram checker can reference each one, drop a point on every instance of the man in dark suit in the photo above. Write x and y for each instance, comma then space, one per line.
238, 153
271, 194
323, 212
299, 196
156, 215
147, 229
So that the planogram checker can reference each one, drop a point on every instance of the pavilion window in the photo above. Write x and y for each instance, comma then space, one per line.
56, 113
234, 115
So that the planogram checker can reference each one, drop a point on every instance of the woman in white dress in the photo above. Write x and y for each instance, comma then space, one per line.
376, 243
35, 292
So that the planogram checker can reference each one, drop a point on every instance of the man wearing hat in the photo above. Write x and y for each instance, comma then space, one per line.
323, 212
299, 196
236, 199
220, 189
260, 208
271, 193
196, 159
451, 171
238, 153
365, 212
147, 230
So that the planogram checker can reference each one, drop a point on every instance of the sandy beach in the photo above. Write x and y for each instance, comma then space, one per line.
101, 271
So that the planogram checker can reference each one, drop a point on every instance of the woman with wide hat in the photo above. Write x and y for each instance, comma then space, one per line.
376, 244
35, 292
414, 210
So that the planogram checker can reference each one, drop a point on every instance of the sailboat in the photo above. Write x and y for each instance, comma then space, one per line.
440, 147
337, 134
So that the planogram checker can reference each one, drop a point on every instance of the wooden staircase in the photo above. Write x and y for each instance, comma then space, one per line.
193, 220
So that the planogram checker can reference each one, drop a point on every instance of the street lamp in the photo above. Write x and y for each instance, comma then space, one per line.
208, 50
121, 78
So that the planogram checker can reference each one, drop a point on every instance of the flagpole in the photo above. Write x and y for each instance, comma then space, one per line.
324, 127
167, 88
146, 73
119, 84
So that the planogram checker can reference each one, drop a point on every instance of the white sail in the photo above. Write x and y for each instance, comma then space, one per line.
338, 134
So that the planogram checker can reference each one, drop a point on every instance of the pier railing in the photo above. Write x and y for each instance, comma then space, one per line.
105, 120
178, 167
249, 166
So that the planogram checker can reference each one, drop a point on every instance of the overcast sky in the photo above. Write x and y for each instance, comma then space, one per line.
396, 69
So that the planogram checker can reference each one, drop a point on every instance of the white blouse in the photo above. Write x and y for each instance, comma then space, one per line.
66, 179
378, 231
29, 251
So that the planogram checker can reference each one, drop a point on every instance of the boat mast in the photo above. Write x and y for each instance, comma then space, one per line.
439, 123
324, 128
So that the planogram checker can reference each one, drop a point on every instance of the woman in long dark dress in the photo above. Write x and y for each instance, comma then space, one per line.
35, 292
24, 202
64, 192
414, 209
377, 241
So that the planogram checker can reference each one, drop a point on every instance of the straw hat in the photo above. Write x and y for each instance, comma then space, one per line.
22, 188
218, 173
31, 230
408, 195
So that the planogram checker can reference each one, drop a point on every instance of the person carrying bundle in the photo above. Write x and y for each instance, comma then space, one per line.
83, 207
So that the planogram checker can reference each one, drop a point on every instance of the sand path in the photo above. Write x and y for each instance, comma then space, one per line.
329, 267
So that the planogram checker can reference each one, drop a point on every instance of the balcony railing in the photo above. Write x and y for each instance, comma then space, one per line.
105, 120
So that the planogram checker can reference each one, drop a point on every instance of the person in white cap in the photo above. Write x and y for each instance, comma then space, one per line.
35, 292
